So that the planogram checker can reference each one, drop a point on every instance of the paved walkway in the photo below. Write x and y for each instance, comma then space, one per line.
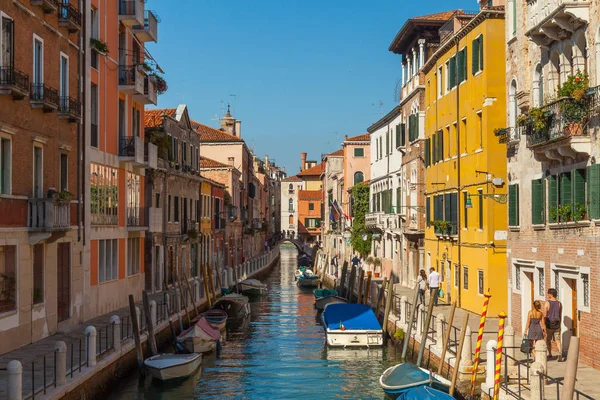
587, 377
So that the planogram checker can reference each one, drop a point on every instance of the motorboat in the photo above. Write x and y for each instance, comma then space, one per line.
217, 318
201, 337
172, 366
301, 270
307, 280
351, 325
326, 296
252, 287
397, 380
235, 305
304, 260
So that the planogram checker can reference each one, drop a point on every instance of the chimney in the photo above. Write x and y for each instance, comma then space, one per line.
267, 161
238, 129
228, 122
303, 165
231, 161
345, 137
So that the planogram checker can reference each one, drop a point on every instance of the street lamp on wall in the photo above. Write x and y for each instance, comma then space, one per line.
364, 237
498, 198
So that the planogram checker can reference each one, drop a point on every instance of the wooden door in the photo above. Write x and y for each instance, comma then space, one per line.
63, 281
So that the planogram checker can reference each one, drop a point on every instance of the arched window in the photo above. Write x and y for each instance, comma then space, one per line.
358, 177
291, 187
291, 205
291, 220
538, 86
512, 104
567, 67
554, 77
580, 54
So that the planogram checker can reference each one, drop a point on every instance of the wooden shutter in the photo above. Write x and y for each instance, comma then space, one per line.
447, 207
475, 56
565, 192
441, 146
552, 195
593, 192
513, 205
454, 213
403, 134
538, 202
428, 211
578, 179
465, 209
480, 43
461, 66
416, 130
433, 148
427, 152
398, 200
398, 140
452, 67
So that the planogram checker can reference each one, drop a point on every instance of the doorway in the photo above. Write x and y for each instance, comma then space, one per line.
568, 297
527, 295
63, 281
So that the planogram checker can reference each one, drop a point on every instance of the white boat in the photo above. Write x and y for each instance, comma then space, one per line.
252, 287
402, 377
300, 272
172, 366
201, 337
235, 305
351, 325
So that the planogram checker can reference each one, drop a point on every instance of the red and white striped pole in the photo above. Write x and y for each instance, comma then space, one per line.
502, 317
479, 339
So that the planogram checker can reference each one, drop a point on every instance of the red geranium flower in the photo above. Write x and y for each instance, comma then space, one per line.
578, 79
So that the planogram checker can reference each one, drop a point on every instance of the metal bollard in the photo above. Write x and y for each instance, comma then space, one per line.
153, 315
15, 380
90, 331
116, 321
60, 349
490, 348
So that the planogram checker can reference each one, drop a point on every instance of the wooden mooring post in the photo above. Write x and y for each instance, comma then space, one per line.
411, 320
425, 333
185, 303
192, 294
380, 296
361, 282
136, 333
341, 286
149, 324
461, 342
388, 306
447, 338
368, 289
350, 288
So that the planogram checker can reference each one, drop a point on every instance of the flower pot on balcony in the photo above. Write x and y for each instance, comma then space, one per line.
376, 274
574, 129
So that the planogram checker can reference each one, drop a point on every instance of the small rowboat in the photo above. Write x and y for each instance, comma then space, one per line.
172, 366
400, 378
326, 296
235, 305
217, 318
253, 287
201, 337
308, 282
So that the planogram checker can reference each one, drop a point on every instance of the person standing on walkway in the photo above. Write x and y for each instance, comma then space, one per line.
334, 263
553, 318
434, 285
422, 286
355, 261
535, 329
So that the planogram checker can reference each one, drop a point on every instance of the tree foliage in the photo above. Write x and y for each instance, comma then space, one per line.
360, 195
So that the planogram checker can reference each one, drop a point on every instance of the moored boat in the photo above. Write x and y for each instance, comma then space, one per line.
235, 305
217, 318
172, 366
308, 281
351, 325
201, 337
300, 271
252, 287
326, 296
397, 380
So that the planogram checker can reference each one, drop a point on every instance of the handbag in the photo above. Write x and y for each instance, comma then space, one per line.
525, 346
441, 293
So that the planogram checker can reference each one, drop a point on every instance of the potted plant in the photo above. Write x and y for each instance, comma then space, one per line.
522, 119
99, 45
192, 233
51, 193
377, 264
579, 212
161, 84
441, 227
63, 197
572, 105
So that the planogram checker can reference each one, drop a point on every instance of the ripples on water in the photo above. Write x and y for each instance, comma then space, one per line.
279, 353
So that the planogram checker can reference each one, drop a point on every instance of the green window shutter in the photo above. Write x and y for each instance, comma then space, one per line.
427, 153
398, 140
481, 52
433, 148
461, 66
578, 179
565, 190
593, 183
538, 202
428, 211
465, 209
403, 134
416, 130
447, 207
513, 205
452, 67
454, 213
552, 195
475, 56
441, 146
398, 200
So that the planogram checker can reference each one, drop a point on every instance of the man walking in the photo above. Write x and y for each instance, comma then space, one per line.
334, 263
553, 318
434, 285
355, 261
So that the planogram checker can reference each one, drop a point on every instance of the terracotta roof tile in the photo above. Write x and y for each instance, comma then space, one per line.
338, 153
310, 195
292, 179
209, 163
365, 137
441, 16
154, 117
316, 170
208, 134
215, 183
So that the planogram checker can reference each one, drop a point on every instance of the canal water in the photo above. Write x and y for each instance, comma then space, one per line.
278, 353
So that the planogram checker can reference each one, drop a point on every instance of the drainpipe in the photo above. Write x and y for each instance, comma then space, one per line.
458, 214
81, 142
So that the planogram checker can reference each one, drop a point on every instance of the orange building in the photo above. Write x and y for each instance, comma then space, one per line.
120, 79
309, 214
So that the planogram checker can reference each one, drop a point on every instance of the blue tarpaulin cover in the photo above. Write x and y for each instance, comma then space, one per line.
351, 316
424, 393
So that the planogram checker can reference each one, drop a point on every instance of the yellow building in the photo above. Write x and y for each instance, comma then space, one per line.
465, 190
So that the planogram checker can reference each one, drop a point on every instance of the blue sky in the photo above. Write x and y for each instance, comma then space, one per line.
304, 73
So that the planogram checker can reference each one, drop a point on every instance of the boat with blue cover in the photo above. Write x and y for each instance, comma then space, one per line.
308, 279
351, 325
326, 296
423, 393
396, 380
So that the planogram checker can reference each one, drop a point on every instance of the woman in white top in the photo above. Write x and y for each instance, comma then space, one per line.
422, 286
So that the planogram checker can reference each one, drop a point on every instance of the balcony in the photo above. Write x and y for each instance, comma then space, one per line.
410, 85
555, 20
48, 215
69, 108
232, 213
149, 31
445, 228
14, 82
44, 97
191, 228
149, 95
48, 6
507, 135
374, 220
131, 13
564, 134
131, 79
155, 220
151, 156
291, 227
69, 17
131, 150
136, 217
391, 221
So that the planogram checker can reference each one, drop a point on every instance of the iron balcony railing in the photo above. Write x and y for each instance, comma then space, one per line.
69, 105
45, 93
127, 7
127, 75
127, 146
14, 77
136, 216
69, 13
